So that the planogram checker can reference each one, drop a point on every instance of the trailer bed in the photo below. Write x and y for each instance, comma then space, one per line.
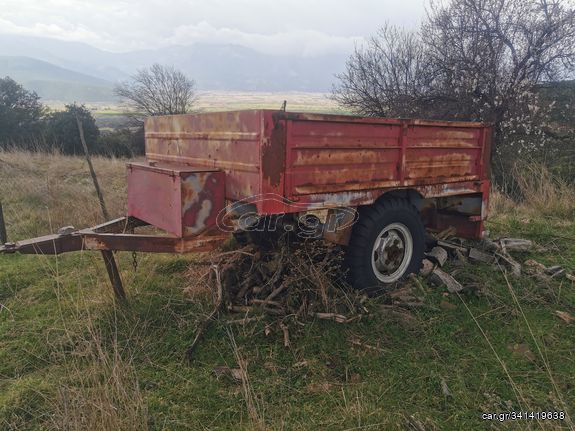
320, 159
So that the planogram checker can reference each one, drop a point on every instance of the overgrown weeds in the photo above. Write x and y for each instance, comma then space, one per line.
101, 389
538, 192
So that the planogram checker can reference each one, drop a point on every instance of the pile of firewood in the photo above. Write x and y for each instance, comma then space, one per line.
292, 283
299, 281
496, 253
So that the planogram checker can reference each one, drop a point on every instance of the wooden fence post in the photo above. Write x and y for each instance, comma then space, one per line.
107, 255
92, 171
3, 235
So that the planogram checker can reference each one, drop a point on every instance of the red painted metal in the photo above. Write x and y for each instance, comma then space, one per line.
327, 161
175, 198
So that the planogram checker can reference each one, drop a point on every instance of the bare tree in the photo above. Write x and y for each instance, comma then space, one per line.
471, 60
391, 76
158, 90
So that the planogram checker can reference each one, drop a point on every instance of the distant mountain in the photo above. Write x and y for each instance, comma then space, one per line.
76, 56
213, 66
55, 83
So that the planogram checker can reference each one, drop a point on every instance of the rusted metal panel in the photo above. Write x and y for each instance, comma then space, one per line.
329, 157
443, 154
178, 199
227, 141
297, 116
273, 161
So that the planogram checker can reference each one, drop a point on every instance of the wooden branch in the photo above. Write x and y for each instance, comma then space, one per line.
204, 325
92, 171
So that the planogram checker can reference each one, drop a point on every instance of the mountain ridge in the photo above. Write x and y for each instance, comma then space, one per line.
212, 66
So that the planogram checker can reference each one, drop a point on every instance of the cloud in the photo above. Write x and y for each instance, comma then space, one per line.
51, 30
295, 42
300, 27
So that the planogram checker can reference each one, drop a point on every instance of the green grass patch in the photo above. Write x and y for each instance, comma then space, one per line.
68, 350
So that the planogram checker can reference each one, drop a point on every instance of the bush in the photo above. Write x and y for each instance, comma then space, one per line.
20, 115
122, 143
62, 130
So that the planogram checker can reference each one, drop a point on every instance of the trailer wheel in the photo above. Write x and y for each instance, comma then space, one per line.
387, 244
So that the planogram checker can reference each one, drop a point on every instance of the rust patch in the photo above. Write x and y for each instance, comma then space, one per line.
274, 154
203, 197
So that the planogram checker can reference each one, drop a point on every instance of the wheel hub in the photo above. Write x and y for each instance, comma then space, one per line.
392, 252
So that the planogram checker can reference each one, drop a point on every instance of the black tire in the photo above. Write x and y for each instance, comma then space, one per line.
363, 262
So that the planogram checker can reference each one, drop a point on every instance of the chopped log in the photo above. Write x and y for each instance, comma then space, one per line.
442, 278
438, 255
490, 246
514, 244
480, 256
426, 268
461, 258
510, 263
452, 246
555, 271
449, 232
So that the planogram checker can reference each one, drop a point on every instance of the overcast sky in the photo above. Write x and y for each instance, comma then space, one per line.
303, 27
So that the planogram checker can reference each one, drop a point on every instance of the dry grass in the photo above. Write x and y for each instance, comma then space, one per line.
544, 193
254, 404
104, 392
539, 193
42, 192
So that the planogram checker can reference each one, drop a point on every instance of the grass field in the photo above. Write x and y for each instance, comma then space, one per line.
72, 360
110, 115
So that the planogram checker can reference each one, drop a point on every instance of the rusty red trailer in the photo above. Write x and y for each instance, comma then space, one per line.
209, 172
332, 161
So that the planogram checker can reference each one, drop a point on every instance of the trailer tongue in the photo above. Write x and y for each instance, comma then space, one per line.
112, 236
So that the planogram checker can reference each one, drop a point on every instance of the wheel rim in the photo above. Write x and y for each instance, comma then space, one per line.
392, 252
